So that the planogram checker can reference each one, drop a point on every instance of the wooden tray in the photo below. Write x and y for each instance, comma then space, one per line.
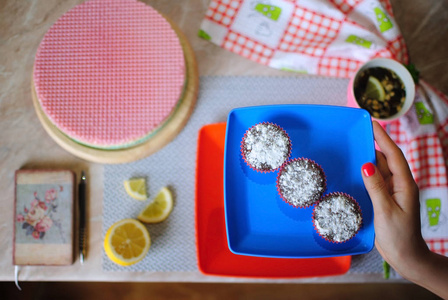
164, 135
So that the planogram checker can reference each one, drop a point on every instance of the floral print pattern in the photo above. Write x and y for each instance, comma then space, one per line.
38, 217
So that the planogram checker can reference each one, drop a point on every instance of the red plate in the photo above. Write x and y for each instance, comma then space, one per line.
214, 256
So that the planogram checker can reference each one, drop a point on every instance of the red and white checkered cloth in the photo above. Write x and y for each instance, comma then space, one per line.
422, 134
334, 38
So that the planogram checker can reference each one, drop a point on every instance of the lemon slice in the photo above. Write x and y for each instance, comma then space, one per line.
159, 209
127, 242
136, 188
374, 89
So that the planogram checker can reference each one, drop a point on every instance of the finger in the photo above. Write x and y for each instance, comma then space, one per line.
376, 187
381, 164
396, 161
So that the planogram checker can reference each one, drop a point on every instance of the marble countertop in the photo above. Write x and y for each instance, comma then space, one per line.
25, 144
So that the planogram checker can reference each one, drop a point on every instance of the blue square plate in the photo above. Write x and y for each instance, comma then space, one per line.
258, 222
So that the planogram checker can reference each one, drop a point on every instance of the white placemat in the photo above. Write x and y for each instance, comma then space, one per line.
173, 241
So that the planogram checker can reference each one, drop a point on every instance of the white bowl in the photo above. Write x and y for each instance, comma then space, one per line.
401, 72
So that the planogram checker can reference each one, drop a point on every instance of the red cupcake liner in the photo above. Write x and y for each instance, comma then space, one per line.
332, 195
244, 156
291, 161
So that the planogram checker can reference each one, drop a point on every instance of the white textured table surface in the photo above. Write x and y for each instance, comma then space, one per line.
25, 144
174, 248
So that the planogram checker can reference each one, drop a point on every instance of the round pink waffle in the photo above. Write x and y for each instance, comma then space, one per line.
109, 72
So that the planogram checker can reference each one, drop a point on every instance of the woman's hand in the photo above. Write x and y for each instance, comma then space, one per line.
395, 199
396, 204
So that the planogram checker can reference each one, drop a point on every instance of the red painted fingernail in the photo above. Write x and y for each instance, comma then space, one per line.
368, 169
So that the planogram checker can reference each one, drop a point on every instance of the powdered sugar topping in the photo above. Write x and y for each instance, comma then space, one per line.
337, 217
301, 182
266, 146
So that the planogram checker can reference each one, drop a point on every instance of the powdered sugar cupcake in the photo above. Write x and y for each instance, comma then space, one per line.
301, 182
337, 217
265, 147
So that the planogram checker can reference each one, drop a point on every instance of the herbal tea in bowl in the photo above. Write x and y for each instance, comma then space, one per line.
383, 87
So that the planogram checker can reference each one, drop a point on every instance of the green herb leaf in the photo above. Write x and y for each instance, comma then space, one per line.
386, 270
414, 72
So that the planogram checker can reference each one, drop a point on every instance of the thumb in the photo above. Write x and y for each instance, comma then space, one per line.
376, 186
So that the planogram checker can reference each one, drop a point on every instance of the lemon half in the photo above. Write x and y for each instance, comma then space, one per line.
127, 242
136, 188
374, 89
159, 208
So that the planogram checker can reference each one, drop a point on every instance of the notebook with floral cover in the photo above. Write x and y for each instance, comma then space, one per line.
44, 217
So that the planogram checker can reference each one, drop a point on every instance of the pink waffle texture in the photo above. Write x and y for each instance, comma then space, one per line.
109, 72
